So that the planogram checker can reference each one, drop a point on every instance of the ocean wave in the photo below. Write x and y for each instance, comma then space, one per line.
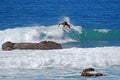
58, 34
71, 58
36, 34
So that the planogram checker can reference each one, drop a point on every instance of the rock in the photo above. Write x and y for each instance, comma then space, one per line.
44, 45
8, 46
88, 69
86, 74
49, 45
98, 74
89, 72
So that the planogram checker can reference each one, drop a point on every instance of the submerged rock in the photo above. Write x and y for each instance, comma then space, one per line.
44, 45
90, 72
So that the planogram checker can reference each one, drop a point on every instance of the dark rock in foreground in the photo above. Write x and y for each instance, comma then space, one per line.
44, 45
89, 72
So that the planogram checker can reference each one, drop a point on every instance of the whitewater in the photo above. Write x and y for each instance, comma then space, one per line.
66, 58
66, 63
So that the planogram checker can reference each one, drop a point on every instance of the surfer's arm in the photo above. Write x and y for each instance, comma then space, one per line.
70, 27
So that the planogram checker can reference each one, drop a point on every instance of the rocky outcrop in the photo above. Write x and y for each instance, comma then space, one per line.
90, 72
44, 45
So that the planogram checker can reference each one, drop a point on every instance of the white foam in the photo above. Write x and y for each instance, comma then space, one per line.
71, 58
102, 30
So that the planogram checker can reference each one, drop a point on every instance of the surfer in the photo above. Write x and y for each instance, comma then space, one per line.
65, 24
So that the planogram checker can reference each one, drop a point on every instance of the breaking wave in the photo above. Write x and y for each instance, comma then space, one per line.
58, 34
64, 58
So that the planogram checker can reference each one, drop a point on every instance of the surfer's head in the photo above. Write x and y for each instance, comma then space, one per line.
65, 23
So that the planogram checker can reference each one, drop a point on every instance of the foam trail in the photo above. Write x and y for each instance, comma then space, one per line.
71, 58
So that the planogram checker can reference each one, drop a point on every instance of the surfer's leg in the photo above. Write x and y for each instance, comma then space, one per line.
68, 26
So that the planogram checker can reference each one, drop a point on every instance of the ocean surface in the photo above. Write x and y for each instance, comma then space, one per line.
92, 41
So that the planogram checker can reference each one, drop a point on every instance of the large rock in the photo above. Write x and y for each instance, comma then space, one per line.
44, 45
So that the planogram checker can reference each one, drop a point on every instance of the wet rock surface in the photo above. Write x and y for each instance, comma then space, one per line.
90, 72
44, 45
